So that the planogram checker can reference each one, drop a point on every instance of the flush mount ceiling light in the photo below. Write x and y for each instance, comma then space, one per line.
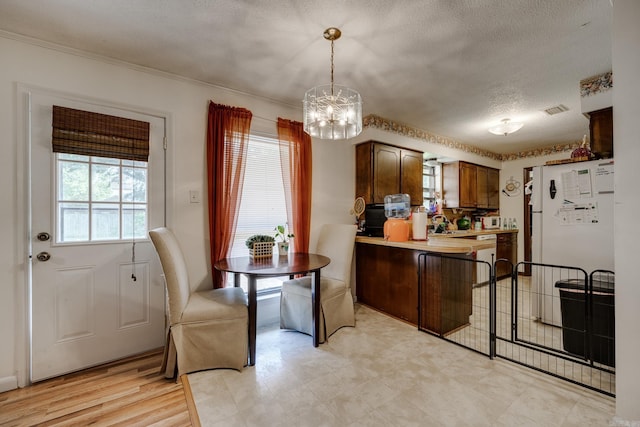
332, 111
506, 127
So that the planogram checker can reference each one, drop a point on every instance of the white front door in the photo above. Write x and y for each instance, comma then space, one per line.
94, 298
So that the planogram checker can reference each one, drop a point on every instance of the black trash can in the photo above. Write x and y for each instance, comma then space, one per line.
591, 338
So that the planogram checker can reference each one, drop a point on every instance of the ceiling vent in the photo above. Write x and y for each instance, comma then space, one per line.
556, 110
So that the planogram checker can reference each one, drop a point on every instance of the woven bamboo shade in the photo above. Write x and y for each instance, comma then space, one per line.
93, 134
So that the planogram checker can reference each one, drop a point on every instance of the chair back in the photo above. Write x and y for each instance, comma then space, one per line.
175, 271
336, 241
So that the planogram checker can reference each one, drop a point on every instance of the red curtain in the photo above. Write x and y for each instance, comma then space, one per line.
295, 161
227, 141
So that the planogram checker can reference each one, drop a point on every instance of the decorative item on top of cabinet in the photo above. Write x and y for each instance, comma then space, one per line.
467, 185
383, 169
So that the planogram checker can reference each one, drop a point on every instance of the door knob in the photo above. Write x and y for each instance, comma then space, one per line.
43, 256
43, 237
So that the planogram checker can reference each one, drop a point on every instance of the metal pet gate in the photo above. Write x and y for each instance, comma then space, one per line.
555, 319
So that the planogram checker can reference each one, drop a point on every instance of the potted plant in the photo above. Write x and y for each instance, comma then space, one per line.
260, 245
284, 236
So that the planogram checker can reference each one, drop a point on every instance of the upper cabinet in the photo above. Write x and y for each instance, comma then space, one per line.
383, 169
601, 132
488, 187
411, 175
466, 185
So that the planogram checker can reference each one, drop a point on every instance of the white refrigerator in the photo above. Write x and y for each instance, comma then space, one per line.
572, 225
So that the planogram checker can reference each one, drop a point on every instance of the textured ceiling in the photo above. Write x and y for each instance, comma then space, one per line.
450, 67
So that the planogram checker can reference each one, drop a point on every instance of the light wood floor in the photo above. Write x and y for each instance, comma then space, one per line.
130, 392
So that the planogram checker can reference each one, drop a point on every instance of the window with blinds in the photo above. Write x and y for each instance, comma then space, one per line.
262, 206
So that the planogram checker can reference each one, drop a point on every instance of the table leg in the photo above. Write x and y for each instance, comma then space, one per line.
315, 301
236, 280
253, 303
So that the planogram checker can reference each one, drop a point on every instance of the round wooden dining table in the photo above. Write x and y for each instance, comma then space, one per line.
290, 265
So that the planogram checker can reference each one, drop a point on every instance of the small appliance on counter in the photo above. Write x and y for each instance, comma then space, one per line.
420, 219
397, 208
373, 221
490, 222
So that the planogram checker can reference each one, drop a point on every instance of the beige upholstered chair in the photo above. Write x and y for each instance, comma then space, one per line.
336, 241
207, 329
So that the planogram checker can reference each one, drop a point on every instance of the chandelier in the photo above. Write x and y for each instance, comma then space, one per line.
506, 127
332, 111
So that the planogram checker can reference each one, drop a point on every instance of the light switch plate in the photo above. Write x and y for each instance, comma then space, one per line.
194, 196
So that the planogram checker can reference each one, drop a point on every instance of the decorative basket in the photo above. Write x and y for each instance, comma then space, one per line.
261, 250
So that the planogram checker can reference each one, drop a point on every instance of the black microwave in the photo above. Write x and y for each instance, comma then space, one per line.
374, 220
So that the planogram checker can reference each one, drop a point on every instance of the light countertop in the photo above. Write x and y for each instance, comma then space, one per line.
438, 244
471, 233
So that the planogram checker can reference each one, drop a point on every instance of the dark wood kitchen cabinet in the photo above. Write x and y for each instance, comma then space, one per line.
467, 185
387, 280
446, 293
383, 169
411, 167
459, 180
493, 188
506, 248
487, 188
482, 189
601, 132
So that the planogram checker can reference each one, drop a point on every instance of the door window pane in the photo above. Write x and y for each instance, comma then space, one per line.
134, 185
79, 157
105, 183
73, 180
73, 222
106, 160
109, 199
134, 222
105, 221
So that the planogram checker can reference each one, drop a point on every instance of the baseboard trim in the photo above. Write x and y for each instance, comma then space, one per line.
8, 383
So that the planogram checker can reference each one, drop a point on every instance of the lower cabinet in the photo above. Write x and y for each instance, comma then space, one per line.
446, 299
387, 280
506, 248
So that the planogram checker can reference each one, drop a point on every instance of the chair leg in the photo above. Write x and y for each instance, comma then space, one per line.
169, 358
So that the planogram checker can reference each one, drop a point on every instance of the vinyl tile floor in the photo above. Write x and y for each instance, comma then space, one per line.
385, 372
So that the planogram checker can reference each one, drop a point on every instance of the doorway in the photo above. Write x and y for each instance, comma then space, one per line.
95, 287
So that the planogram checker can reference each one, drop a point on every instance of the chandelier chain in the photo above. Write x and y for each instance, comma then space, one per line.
331, 67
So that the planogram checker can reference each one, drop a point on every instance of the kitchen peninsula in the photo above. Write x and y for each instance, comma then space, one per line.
387, 278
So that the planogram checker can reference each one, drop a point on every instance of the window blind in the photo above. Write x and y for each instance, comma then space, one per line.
263, 206
101, 135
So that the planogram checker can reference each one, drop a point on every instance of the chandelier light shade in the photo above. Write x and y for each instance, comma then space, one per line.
332, 111
506, 127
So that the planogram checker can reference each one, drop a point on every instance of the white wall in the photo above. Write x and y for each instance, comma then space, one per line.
626, 130
185, 103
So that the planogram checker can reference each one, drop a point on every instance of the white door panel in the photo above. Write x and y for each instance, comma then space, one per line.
90, 303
